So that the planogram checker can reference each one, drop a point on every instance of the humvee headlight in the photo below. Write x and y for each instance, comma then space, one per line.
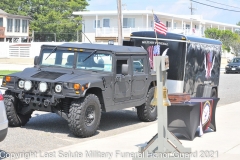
21, 84
58, 88
27, 85
42, 86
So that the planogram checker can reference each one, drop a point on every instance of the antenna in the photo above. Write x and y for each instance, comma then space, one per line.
86, 36
191, 8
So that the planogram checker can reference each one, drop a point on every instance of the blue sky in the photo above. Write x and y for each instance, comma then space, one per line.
180, 7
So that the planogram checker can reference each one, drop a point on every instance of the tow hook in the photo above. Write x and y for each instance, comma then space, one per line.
27, 100
46, 102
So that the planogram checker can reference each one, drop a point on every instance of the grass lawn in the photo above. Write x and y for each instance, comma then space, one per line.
6, 72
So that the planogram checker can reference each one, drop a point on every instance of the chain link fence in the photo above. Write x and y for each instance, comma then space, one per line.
57, 37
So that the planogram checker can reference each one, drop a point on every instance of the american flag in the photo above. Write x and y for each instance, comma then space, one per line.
159, 27
153, 51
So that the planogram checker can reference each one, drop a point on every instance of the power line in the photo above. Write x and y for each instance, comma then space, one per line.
222, 4
216, 7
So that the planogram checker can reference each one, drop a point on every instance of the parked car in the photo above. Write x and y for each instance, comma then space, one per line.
3, 119
233, 66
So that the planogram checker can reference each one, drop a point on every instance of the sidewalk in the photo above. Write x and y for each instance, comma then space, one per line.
15, 67
225, 143
17, 64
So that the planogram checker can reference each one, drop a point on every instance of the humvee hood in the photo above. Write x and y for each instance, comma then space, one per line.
54, 75
48, 74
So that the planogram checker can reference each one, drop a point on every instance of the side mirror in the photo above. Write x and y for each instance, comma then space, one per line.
36, 60
124, 69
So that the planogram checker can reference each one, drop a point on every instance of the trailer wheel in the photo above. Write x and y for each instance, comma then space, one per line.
214, 93
84, 116
12, 104
146, 112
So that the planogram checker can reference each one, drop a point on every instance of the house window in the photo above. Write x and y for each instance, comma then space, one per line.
9, 25
151, 24
128, 22
98, 23
187, 26
17, 25
175, 25
106, 22
24, 26
1, 22
168, 24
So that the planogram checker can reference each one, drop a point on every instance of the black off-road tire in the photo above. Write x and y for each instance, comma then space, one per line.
146, 112
12, 104
77, 116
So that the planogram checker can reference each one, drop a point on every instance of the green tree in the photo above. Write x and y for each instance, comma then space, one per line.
236, 46
227, 37
212, 33
49, 17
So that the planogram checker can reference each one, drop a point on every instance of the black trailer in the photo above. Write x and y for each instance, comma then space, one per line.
194, 61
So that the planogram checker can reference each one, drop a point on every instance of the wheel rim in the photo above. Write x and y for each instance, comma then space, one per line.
89, 115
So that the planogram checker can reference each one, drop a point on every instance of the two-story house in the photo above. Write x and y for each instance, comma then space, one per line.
101, 26
13, 28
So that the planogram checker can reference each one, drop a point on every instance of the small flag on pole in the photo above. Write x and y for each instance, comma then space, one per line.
159, 27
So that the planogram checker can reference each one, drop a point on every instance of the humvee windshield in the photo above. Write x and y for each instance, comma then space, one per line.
65, 58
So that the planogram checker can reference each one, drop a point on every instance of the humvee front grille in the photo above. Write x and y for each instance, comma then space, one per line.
36, 83
48, 75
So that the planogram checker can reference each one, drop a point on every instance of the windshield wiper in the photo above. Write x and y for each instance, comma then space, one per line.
54, 49
90, 55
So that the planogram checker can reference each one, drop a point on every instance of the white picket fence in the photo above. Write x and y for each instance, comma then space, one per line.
22, 50
19, 51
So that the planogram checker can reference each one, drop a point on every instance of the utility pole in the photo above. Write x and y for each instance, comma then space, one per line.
192, 9
119, 6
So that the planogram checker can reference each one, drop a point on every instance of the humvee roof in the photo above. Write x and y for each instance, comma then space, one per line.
103, 47
175, 36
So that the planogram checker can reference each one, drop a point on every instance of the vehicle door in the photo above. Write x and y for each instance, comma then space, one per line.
140, 76
122, 84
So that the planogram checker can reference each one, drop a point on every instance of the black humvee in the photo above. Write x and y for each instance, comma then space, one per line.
78, 82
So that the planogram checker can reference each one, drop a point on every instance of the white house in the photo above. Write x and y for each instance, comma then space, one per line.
13, 28
101, 26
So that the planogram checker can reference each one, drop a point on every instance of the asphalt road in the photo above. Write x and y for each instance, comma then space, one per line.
229, 89
47, 131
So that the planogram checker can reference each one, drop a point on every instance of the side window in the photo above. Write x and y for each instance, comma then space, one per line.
119, 66
138, 65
